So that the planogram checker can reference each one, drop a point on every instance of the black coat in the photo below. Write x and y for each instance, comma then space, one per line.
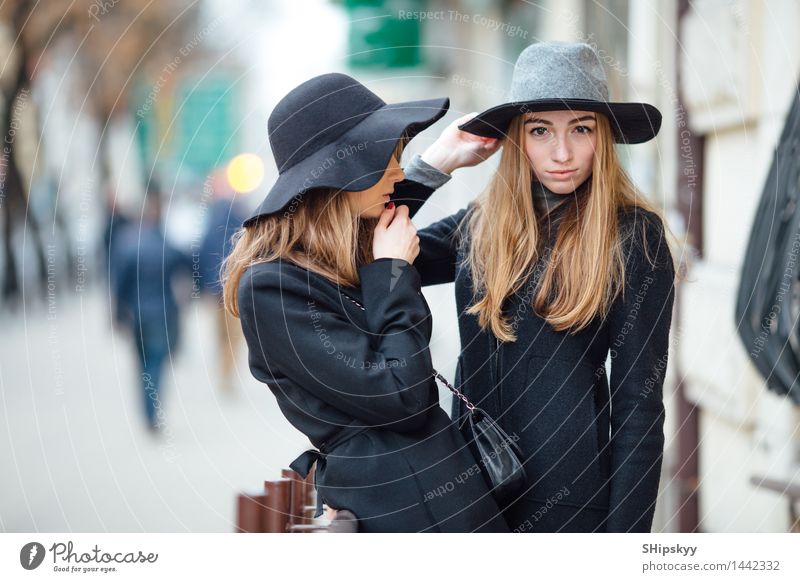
336, 369
593, 451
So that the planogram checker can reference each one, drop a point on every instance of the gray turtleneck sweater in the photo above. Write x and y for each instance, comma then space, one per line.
545, 200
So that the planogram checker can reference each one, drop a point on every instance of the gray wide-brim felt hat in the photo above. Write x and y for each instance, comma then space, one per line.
333, 132
557, 76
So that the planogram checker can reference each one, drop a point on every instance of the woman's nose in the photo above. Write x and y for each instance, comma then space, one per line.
561, 151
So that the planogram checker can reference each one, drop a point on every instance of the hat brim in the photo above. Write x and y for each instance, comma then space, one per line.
358, 159
631, 122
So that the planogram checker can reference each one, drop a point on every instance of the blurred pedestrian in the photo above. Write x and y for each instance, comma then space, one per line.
146, 265
115, 222
224, 218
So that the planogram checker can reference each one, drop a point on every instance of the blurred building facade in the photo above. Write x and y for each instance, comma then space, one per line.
737, 85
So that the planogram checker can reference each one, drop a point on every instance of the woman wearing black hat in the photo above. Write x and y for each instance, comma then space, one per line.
559, 265
322, 278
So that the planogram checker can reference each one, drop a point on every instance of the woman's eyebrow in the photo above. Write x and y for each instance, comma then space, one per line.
545, 122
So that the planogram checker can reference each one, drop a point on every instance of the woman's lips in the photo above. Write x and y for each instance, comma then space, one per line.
562, 173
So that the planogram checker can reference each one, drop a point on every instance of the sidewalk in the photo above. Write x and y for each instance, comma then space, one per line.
75, 452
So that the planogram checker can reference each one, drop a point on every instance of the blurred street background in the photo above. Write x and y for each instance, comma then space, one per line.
136, 124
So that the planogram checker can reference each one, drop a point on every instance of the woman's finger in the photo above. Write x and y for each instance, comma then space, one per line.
402, 211
386, 216
464, 118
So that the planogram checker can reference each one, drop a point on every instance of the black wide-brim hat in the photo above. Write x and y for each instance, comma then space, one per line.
333, 132
558, 76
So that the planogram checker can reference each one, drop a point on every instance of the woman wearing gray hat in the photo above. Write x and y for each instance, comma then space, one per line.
560, 265
322, 278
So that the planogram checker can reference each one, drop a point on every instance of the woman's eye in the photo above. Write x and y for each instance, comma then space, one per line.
538, 131
583, 129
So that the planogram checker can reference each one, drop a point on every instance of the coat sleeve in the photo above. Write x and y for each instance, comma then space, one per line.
381, 375
421, 181
639, 339
438, 250
438, 242
412, 194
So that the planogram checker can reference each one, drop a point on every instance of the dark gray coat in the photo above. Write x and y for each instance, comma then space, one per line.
593, 449
337, 369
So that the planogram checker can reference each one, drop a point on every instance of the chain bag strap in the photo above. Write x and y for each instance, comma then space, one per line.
498, 453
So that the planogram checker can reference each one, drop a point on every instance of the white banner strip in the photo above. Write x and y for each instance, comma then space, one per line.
486, 557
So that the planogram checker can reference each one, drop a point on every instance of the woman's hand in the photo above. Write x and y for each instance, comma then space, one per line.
395, 235
458, 149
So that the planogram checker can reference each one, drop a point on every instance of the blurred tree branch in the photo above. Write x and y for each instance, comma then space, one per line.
114, 43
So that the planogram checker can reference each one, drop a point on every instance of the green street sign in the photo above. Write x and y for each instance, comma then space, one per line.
380, 37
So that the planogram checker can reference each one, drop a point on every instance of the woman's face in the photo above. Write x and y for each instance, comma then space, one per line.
560, 146
370, 203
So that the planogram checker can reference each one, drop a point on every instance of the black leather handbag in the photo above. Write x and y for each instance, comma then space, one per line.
499, 454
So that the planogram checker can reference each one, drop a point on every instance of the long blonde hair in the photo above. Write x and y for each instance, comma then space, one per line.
584, 271
318, 230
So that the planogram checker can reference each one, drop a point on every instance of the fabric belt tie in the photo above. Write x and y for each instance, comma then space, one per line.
302, 464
